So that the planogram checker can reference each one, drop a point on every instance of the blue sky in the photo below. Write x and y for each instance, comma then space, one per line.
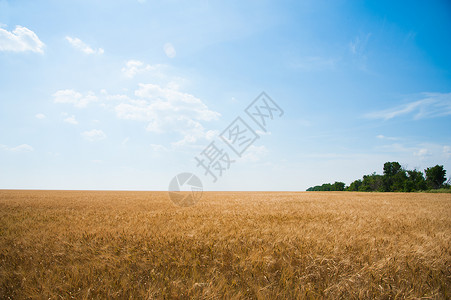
125, 94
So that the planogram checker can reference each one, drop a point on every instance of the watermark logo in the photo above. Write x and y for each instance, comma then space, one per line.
185, 189
239, 136
215, 160
262, 109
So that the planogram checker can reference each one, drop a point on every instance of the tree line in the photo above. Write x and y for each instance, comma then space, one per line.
394, 179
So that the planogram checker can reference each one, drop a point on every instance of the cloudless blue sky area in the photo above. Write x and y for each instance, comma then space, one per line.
125, 94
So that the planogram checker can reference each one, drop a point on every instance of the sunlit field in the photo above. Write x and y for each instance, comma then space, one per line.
254, 245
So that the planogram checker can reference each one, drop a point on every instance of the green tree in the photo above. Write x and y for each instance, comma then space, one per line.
394, 177
355, 185
398, 181
392, 168
372, 183
415, 181
338, 186
435, 176
326, 187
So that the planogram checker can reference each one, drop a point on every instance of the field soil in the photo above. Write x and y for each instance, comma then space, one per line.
251, 245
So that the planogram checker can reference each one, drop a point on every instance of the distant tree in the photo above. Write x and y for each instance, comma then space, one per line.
398, 181
372, 183
415, 181
394, 177
435, 176
326, 187
355, 185
392, 168
338, 186
316, 188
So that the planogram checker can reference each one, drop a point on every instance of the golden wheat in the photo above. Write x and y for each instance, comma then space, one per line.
256, 245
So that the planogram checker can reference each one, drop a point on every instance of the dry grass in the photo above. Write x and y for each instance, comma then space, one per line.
73, 244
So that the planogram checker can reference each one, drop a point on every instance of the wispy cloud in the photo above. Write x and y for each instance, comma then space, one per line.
164, 109
168, 110
383, 137
80, 45
426, 152
40, 116
71, 120
133, 67
77, 99
422, 152
358, 49
254, 153
358, 45
21, 39
94, 135
432, 105
20, 148
157, 148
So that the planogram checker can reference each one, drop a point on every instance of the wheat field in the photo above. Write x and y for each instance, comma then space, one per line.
233, 245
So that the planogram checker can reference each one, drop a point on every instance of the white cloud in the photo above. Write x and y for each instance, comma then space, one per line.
254, 153
20, 148
425, 153
167, 99
19, 40
166, 109
80, 45
73, 97
383, 137
432, 105
158, 73
169, 50
422, 152
94, 135
211, 134
132, 67
192, 131
71, 120
158, 148
40, 116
